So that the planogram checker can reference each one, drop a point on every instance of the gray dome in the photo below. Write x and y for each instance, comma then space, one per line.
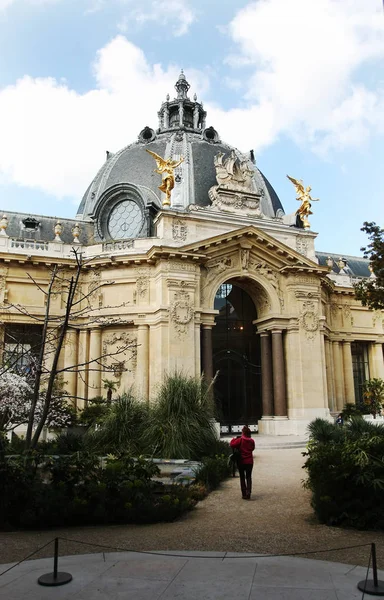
182, 132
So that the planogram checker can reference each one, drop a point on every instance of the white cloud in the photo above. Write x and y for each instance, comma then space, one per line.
177, 15
6, 3
304, 57
303, 79
55, 139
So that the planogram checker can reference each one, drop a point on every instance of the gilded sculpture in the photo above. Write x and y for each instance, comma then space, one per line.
166, 168
303, 196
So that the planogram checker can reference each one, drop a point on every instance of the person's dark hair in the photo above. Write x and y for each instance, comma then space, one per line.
246, 431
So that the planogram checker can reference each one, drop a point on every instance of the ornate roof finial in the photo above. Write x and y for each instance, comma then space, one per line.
182, 86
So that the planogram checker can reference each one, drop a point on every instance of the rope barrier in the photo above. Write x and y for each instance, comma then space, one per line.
60, 578
27, 557
154, 553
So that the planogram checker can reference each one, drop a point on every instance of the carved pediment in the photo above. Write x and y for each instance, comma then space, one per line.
251, 240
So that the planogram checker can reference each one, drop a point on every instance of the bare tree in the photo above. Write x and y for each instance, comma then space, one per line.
78, 311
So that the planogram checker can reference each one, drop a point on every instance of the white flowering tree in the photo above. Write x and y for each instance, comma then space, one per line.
15, 405
15, 400
46, 405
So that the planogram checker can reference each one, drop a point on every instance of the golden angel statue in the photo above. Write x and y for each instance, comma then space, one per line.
166, 168
305, 198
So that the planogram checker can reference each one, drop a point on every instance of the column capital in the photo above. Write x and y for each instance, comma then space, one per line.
264, 333
276, 331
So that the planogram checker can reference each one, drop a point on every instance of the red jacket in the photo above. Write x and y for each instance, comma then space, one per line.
246, 445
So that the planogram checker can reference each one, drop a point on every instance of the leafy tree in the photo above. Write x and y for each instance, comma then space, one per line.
373, 396
371, 291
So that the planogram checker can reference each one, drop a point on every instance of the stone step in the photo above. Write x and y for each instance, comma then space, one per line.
275, 442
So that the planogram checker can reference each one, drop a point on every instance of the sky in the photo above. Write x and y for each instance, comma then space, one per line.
301, 82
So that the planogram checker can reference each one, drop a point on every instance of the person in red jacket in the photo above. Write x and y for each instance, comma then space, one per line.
246, 445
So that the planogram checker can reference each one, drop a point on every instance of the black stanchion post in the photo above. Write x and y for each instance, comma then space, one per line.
57, 577
373, 587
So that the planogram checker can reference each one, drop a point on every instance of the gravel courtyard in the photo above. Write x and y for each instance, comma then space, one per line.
278, 520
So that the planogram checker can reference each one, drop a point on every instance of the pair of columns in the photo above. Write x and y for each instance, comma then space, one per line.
274, 399
273, 382
84, 348
339, 368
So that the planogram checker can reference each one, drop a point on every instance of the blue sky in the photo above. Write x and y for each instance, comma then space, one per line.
300, 82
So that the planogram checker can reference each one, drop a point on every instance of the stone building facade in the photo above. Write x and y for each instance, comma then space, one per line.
222, 282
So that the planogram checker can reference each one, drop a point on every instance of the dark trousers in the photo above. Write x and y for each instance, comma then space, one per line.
245, 472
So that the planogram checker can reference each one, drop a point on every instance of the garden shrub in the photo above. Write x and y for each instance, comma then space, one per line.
75, 490
122, 429
345, 468
181, 419
213, 470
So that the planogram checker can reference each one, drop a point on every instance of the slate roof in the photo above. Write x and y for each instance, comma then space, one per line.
356, 266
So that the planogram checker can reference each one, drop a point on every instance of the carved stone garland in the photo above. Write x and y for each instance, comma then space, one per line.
3, 284
120, 340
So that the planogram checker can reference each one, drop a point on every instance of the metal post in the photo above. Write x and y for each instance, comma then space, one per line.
375, 587
57, 577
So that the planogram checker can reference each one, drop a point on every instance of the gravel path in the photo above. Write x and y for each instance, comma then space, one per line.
278, 520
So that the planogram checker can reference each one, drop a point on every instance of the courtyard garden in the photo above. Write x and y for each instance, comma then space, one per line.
103, 469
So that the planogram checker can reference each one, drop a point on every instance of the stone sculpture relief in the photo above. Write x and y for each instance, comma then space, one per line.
179, 229
3, 284
235, 192
302, 245
270, 275
231, 172
181, 312
117, 341
142, 283
309, 319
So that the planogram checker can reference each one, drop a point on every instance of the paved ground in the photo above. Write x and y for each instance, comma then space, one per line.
141, 577
278, 520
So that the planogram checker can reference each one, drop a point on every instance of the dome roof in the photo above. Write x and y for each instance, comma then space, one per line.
183, 133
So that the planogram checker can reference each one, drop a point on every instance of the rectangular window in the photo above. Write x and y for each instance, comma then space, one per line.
360, 367
21, 346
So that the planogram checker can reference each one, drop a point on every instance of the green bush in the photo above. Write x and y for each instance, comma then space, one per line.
345, 467
180, 423
122, 429
352, 410
213, 470
75, 490
94, 413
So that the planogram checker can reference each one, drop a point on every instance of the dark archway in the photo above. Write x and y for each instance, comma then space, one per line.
236, 358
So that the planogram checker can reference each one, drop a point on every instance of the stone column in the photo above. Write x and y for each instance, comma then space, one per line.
349, 387
197, 350
330, 375
70, 363
2, 334
377, 361
94, 368
82, 374
142, 367
339, 375
266, 375
207, 352
279, 388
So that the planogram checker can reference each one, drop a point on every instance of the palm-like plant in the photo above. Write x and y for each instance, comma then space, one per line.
181, 419
322, 431
122, 429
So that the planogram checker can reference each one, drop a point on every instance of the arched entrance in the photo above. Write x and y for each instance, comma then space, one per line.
236, 359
